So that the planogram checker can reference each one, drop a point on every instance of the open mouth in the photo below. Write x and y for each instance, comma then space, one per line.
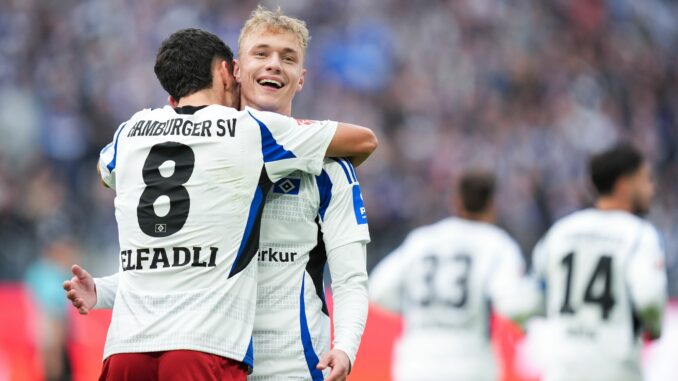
271, 83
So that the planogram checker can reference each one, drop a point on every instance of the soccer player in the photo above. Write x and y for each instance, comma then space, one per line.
603, 276
190, 183
443, 279
292, 325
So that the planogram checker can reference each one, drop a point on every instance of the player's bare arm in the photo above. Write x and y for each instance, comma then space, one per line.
351, 141
354, 142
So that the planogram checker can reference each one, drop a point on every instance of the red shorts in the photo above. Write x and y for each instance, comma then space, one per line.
172, 366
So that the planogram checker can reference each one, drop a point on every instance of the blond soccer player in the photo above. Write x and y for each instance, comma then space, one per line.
291, 337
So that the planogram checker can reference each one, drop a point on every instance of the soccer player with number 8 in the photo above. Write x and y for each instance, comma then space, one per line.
189, 201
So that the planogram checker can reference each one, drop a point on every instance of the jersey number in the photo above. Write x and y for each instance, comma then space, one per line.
458, 281
172, 187
603, 272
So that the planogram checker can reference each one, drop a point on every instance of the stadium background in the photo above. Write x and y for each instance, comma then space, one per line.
526, 88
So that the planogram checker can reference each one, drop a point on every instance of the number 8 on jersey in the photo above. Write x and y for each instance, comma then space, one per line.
171, 187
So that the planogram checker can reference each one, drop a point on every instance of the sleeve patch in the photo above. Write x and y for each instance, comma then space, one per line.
359, 206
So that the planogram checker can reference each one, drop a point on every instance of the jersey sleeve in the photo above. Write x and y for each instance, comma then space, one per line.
341, 213
386, 283
108, 158
533, 286
106, 288
289, 145
511, 292
539, 263
646, 272
348, 268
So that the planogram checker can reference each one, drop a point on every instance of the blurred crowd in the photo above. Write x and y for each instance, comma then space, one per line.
526, 88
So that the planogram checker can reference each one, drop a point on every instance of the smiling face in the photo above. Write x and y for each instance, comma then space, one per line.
270, 69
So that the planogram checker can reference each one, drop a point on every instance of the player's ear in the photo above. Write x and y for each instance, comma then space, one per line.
236, 70
226, 76
300, 85
172, 102
621, 186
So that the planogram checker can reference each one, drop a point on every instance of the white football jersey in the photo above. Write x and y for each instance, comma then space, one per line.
190, 187
596, 269
442, 279
292, 325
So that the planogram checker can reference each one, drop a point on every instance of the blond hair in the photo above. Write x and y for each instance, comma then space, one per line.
276, 21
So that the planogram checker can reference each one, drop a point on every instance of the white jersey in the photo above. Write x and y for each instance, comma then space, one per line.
598, 268
442, 280
190, 185
292, 325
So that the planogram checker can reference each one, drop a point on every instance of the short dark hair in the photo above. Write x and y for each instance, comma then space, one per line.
608, 166
184, 61
476, 190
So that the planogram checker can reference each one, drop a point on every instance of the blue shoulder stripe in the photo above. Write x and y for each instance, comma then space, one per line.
346, 172
350, 166
270, 148
111, 165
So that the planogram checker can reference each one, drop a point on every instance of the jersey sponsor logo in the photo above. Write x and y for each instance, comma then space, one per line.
287, 186
183, 127
159, 257
359, 206
270, 255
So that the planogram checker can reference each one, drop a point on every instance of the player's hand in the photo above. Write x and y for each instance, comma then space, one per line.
80, 290
338, 361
